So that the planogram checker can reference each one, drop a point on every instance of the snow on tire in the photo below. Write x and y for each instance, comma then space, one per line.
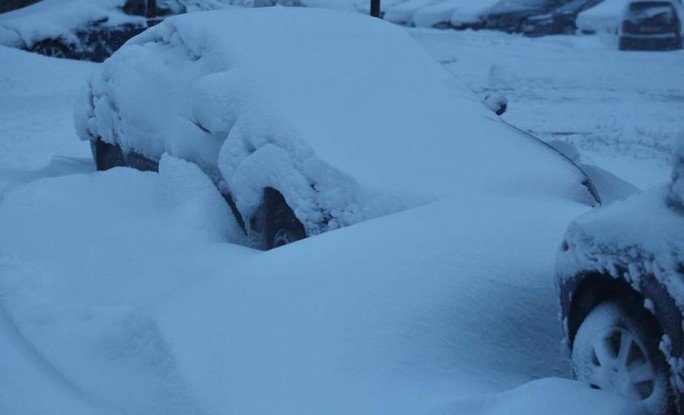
614, 350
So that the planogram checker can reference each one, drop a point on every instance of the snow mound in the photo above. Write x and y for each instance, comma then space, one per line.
545, 396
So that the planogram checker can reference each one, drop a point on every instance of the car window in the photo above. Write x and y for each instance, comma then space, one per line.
136, 7
649, 10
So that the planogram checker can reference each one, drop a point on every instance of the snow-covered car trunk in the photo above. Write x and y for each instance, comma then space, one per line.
348, 118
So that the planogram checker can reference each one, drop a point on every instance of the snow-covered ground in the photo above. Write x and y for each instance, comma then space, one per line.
622, 110
122, 294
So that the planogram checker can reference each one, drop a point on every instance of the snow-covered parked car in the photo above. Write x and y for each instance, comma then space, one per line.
604, 18
81, 29
437, 15
307, 127
510, 15
651, 25
467, 14
559, 21
92, 29
620, 275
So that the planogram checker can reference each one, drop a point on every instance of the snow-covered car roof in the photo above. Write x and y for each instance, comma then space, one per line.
344, 114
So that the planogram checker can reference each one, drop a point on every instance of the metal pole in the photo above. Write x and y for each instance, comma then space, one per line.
375, 8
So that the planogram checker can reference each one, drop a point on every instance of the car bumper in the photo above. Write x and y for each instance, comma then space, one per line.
654, 42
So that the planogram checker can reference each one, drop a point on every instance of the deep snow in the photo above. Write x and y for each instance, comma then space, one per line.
122, 294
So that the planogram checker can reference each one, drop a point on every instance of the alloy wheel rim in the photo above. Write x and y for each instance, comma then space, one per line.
280, 238
53, 51
619, 362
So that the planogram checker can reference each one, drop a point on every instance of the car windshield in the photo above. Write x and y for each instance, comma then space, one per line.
648, 10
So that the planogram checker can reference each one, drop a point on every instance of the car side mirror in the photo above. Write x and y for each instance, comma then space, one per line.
496, 102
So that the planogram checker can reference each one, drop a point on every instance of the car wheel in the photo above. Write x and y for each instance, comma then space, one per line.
53, 49
616, 348
679, 42
106, 156
282, 226
623, 44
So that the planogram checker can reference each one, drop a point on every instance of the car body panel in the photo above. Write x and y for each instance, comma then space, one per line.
630, 251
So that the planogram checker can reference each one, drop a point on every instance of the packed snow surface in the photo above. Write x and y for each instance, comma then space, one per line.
580, 90
402, 132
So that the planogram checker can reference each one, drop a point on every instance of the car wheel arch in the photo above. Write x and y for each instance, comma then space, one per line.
55, 47
275, 219
595, 288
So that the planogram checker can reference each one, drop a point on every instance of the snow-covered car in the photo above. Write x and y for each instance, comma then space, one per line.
346, 120
94, 29
559, 21
402, 13
467, 14
620, 274
509, 15
79, 29
604, 18
437, 15
651, 25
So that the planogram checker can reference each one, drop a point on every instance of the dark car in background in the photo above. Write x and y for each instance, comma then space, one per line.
559, 21
651, 25
620, 275
509, 15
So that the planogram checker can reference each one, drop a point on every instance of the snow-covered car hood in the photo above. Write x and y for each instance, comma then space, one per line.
348, 117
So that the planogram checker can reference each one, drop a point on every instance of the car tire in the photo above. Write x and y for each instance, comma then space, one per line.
54, 49
616, 348
282, 226
678, 43
107, 156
